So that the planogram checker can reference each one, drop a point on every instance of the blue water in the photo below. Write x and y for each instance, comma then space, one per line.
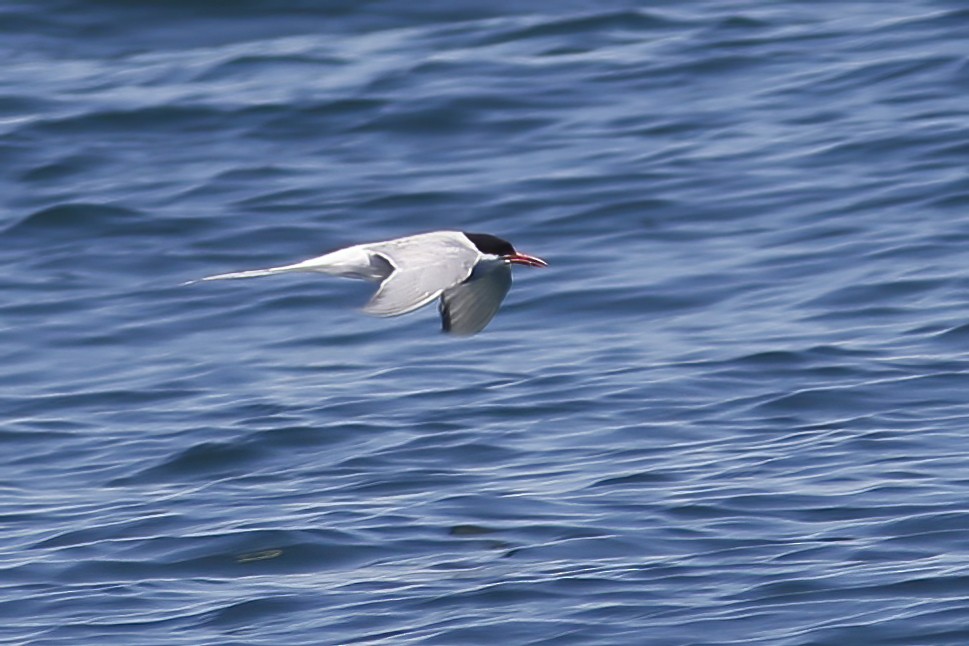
734, 409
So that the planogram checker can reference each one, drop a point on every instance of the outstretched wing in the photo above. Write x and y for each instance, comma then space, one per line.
424, 266
467, 307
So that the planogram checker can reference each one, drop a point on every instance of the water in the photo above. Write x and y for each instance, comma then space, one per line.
732, 411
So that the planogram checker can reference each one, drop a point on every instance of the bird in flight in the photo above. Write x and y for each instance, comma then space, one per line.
470, 272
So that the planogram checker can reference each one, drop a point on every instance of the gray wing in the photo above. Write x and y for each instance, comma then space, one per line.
468, 307
424, 266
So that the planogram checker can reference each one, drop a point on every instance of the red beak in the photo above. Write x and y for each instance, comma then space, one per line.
525, 259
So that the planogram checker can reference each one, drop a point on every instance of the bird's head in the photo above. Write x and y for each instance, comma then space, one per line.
495, 246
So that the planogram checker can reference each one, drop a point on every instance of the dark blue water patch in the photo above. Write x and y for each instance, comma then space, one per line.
238, 554
453, 119
17, 437
245, 67
130, 529
65, 169
634, 481
957, 334
201, 461
891, 71
343, 115
149, 121
71, 218
271, 610
78, 225
869, 294
612, 25
90, 399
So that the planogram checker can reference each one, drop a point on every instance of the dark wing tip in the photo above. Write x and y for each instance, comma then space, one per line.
445, 316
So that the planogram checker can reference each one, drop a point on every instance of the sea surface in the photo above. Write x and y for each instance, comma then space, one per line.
733, 410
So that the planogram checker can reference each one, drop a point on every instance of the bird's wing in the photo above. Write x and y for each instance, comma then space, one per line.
424, 266
467, 307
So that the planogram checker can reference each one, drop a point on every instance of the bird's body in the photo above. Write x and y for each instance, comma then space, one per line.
470, 272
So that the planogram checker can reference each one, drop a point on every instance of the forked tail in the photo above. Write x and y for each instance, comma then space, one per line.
352, 262
252, 273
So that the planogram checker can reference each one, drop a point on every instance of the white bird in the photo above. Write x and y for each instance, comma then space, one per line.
471, 272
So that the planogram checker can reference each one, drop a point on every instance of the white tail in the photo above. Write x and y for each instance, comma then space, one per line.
352, 262
252, 273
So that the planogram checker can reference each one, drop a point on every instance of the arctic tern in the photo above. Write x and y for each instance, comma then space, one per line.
470, 272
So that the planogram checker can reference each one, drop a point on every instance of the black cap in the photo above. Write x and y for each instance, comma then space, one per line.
490, 244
